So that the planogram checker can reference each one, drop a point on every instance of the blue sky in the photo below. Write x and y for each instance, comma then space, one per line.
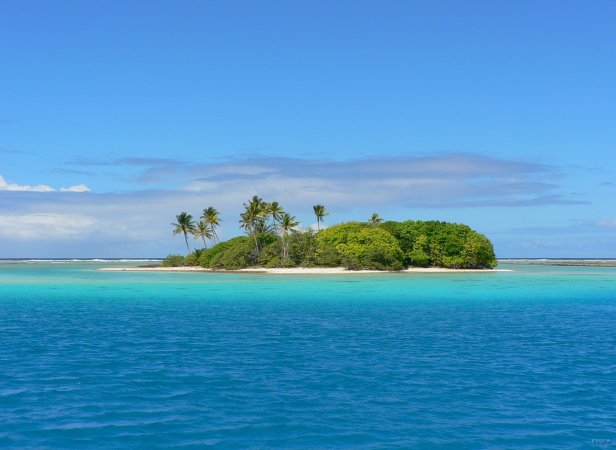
117, 115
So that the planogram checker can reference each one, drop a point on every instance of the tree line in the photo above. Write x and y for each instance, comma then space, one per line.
258, 218
273, 240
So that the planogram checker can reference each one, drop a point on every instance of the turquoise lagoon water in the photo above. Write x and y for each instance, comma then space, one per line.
523, 359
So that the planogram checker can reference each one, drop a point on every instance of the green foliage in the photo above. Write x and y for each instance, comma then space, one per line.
437, 254
173, 261
420, 254
302, 249
214, 253
240, 252
193, 259
308, 250
478, 252
272, 241
185, 225
434, 243
360, 246
238, 256
266, 239
211, 219
270, 254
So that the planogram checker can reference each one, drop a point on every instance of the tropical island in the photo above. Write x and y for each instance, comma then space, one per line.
273, 240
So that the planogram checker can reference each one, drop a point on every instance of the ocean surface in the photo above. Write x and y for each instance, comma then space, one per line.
523, 359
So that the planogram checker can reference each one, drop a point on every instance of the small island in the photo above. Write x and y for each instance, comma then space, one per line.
274, 242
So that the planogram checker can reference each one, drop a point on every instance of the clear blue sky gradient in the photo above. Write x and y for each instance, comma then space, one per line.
143, 100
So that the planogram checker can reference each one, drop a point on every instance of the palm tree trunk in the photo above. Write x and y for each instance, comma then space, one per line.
186, 239
254, 234
203, 239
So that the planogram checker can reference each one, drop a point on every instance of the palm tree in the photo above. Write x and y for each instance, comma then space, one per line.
211, 217
287, 224
320, 212
185, 224
253, 218
276, 212
375, 219
203, 231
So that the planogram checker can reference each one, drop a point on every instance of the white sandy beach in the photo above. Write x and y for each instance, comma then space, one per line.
300, 270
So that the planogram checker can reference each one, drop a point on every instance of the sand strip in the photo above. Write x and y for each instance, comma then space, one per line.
300, 270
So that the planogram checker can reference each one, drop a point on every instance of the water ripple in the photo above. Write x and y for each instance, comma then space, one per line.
317, 364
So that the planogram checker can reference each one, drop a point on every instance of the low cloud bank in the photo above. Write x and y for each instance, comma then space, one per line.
39, 220
6, 186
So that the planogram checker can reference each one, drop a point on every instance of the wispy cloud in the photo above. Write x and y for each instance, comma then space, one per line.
607, 223
73, 171
570, 238
42, 226
137, 222
445, 180
459, 180
137, 161
6, 186
12, 152
76, 188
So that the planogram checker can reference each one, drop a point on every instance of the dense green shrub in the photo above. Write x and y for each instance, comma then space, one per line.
420, 253
361, 246
208, 255
173, 261
192, 259
238, 256
271, 254
478, 252
240, 252
327, 255
305, 250
433, 243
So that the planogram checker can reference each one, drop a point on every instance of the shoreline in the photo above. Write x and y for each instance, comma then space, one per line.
300, 270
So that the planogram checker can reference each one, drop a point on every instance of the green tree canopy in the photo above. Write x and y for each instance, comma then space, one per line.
434, 243
273, 241
363, 247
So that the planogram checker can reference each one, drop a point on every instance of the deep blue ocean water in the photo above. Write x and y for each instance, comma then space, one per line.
523, 359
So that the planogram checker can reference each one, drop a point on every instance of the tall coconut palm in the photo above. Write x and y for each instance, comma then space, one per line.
253, 218
203, 231
185, 225
287, 224
263, 226
320, 212
275, 211
211, 217
375, 220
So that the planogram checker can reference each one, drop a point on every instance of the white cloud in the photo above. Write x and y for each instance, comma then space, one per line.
6, 186
76, 188
45, 226
138, 223
443, 181
607, 223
